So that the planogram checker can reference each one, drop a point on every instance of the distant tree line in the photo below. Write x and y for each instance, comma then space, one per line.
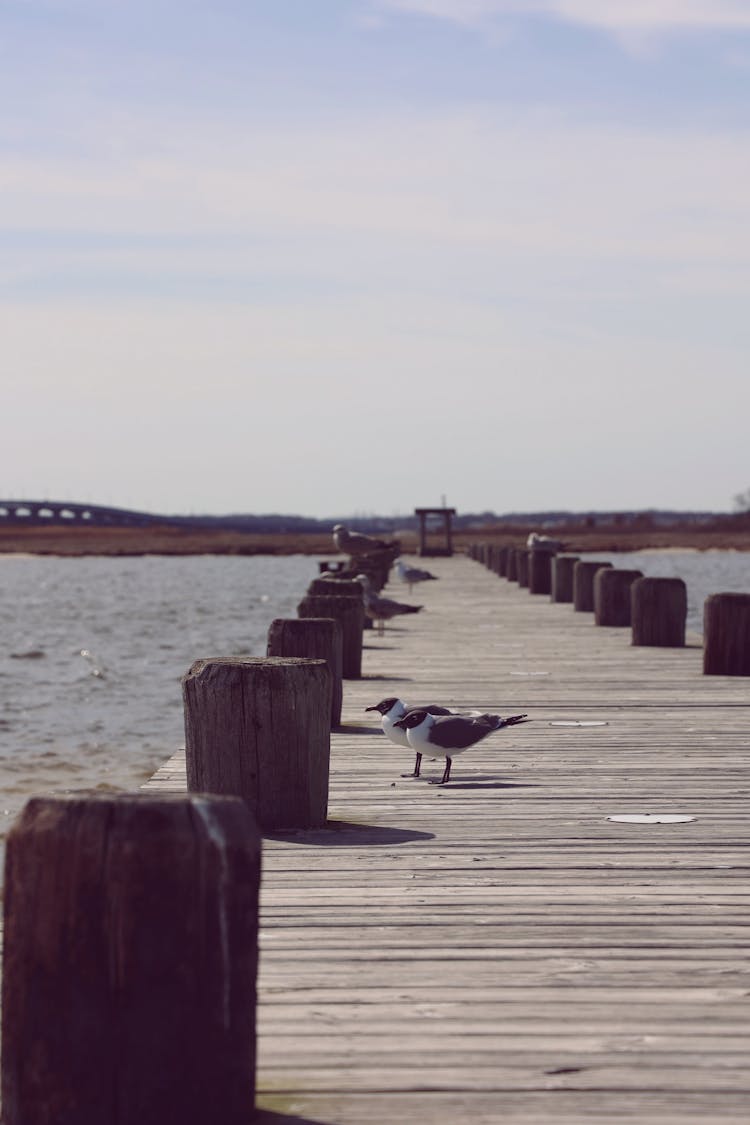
279, 524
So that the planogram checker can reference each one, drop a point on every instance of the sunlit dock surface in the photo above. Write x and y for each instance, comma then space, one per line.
499, 949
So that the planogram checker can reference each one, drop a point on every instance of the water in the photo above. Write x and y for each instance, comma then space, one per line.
704, 573
92, 651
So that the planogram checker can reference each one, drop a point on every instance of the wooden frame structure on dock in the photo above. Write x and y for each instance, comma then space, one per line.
446, 514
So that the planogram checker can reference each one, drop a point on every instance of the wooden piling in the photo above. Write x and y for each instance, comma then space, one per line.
540, 570
522, 566
658, 610
260, 729
612, 595
315, 638
130, 961
511, 565
726, 635
335, 588
561, 583
350, 613
326, 566
583, 584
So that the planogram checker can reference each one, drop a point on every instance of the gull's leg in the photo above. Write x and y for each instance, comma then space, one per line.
417, 767
446, 773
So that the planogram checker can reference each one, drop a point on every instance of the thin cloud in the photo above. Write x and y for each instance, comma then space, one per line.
616, 16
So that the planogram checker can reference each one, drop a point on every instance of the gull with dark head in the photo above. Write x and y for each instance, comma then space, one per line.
391, 710
449, 735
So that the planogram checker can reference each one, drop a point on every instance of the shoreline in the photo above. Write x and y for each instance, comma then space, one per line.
78, 542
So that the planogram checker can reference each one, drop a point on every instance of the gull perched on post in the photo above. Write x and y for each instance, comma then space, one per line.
537, 542
449, 735
381, 609
412, 574
355, 543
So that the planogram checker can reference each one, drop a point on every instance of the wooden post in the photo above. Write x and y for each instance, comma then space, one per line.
561, 584
511, 566
540, 570
583, 584
130, 961
422, 517
260, 729
502, 562
316, 638
327, 566
335, 588
350, 613
522, 566
448, 513
658, 610
726, 635
612, 595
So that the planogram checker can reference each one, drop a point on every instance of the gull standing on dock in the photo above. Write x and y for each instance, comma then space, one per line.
381, 609
450, 735
391, 710
412, 574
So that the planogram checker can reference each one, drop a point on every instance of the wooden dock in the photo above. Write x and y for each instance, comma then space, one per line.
500, 950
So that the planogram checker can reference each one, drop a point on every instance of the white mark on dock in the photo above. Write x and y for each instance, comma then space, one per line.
578, 723
651, 818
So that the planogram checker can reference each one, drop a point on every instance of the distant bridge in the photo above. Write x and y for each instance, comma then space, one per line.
53, 512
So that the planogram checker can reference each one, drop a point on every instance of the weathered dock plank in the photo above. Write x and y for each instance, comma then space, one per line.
498, 950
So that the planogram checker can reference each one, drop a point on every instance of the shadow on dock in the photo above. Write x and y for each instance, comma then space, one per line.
343, 834
484, 783
270, 1117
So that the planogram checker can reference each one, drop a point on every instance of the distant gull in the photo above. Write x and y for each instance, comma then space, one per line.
537, 542
381, 609
392, 709
450, 735
412, 574
355, 543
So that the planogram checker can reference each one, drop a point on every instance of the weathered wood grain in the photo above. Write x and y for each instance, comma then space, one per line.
258, 728
130, 959
498, 950
659, 611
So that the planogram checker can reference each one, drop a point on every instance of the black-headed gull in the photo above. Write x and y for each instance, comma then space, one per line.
392, 709
449, 735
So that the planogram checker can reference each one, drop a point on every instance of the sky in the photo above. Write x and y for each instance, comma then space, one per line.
350, 257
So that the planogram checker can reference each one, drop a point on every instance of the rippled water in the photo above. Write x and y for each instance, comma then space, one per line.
704, 573
92, 651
